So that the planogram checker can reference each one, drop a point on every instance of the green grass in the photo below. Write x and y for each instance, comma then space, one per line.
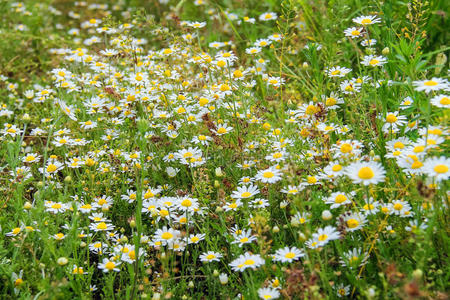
159, 95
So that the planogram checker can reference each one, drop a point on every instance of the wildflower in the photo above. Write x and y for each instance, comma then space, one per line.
268, 293
366, 172
210, 256
354, 221
287, 254
268, 16
337, 71
338, 199
324, 235
438, 168
366, 20
353, 32
108, 265
245, 237
434, 84
441, 101
269, 175
245, 261
245, 192
373, 61
341, 290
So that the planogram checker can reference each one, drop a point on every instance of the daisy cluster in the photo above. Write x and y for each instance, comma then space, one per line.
152, 154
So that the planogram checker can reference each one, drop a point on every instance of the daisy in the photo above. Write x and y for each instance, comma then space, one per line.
277, 156
332, 101
246, 261
369, 42
259, 203
338, 199
324, 235
102, 226
292, 189
268, 16
269, 175
130, 196
353, 32
287, 254
366, 20
196, 238
245, 192
268, 293
222, 129
365, 172
187, 204
438, 168
341, 290
393, 121
253, 50
262, 43
197, 25
373, 61
442, 101
300, 218
354, 221
166, 235
399, 207
31, 158
333, 169
354, 258
406, 103
434, 84
245, 237
108, 265
337, 71
350, 87
210, 256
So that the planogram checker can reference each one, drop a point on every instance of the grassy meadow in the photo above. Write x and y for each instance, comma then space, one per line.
224, 149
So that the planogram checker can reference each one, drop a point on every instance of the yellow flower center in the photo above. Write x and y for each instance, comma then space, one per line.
102, 226
399, 145
249, 262
330, 101
391, 118
352, 223
441, 169
30, 158
365, 173
416, 165
346, 148
356, 32
186, 203
430, 83
398, 206
51, 168
366, 21
374, 62
336, 168
289, 255
110, 265
268, 174
246, 194
445, 101
167, 235
323, 237
340, 198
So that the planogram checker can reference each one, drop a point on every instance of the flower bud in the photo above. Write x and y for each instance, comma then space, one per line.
326, 215
385, 51
62, 261
223, 278
28, 205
